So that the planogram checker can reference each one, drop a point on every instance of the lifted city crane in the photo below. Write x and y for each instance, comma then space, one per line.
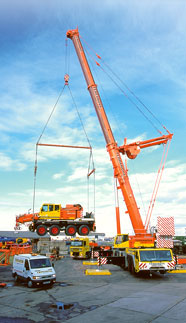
55, 218
133, 245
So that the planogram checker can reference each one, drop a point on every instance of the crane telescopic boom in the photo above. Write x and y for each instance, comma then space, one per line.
120, 171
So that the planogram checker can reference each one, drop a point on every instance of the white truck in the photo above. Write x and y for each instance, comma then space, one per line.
33, 269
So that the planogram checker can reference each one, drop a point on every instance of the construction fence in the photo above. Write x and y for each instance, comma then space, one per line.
6, 255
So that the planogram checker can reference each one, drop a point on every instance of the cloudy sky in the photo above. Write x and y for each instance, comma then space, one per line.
144, 43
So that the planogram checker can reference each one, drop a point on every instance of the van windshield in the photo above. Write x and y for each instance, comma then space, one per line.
40, 263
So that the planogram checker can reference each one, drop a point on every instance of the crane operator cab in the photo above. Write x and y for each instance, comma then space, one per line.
121, 241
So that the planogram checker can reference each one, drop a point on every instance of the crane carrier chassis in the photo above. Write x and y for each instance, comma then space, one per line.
71, 227
54, 218
141, 260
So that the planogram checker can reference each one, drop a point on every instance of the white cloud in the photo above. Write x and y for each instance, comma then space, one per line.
57, 176
171, 199
78, 174
8, 163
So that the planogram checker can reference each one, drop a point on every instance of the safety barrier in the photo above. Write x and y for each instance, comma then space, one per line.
6, 255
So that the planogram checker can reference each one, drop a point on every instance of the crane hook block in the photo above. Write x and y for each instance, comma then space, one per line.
66, 78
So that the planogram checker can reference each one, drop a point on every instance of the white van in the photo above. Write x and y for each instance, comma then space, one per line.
33, 269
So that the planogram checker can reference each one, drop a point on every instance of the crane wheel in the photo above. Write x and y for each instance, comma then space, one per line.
83, 230
70, 230
41, 230
132, 268
31, 228
129, 263
54, 230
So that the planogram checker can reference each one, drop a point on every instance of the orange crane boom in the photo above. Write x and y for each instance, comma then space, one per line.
25, 218
120, 170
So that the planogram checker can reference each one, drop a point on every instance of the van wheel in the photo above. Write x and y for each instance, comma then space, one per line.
30, 283
16, 279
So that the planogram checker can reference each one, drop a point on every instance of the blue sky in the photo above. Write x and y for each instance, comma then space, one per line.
144, 43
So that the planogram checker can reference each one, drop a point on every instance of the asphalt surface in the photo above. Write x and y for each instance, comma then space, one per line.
76, 297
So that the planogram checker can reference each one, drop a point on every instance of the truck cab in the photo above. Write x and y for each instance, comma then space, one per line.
80, 248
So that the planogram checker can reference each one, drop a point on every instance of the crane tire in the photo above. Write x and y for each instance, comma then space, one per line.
83, 230
54, 230
70, 230
41, 230
132, 267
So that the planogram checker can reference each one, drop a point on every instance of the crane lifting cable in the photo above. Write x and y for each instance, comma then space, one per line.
133, 149
91, 170
91, 161
35, 168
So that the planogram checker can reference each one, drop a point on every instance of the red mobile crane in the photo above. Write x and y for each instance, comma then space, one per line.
131, 150
141, 238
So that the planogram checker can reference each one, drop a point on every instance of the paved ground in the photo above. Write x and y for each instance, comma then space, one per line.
78, 298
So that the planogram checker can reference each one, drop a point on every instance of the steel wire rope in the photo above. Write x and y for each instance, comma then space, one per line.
142, 201
138, 186
138, 108
124, 84
119, 128
103, 92
106, 98
148, 216
136, 97
91, 159
36, 154
157, 183
116, 121
151, 206
120, 131
67, 57
67, 53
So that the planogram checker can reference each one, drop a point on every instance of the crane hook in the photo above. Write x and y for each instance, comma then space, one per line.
66, 78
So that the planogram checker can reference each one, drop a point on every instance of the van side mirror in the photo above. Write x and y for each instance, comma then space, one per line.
52, 264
